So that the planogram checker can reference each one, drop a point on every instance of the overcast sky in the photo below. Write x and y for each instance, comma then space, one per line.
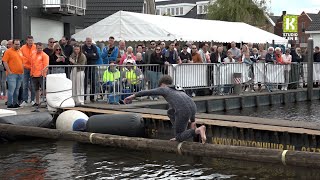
292, 6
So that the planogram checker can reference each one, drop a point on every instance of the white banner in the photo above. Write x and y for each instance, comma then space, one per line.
189, 75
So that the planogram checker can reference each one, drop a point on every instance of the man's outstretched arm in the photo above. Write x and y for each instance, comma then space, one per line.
152, 92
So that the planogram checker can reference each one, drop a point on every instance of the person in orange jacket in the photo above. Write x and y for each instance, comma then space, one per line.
39, 63
27, 50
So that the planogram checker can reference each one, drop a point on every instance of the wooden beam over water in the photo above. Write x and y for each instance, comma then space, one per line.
295, 158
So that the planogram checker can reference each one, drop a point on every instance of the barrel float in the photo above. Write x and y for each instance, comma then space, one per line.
72, 120
42, 119
131, 125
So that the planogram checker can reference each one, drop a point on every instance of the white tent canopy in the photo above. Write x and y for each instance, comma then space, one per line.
144, 27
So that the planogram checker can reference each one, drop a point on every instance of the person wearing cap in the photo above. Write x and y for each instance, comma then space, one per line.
132, 76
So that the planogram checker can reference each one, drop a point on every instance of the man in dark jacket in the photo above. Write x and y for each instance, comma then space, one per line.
316, 55
92, 56
67, 49
185, 56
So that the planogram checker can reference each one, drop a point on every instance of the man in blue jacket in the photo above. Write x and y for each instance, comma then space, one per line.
110, 52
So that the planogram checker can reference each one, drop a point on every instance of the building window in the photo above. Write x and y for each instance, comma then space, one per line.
158, 11
200, 9
172, 12
181, 10
302, 27
177, 11
168, 11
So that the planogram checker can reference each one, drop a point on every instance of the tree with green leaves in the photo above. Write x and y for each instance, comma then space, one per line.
247, 11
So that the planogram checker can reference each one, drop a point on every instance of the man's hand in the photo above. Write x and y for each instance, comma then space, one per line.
129, 99
193, 125
166, 63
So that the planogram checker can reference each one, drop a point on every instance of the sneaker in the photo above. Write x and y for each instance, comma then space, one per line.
32, 103
12, 107
193, 94
155, 99
151, 98
18, 106
24, 103
35, 105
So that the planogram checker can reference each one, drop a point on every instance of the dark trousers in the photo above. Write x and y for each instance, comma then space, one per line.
90, 77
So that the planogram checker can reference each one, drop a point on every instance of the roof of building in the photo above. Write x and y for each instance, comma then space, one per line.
100, 9
193, 14
159, 3
315, 25
313, 16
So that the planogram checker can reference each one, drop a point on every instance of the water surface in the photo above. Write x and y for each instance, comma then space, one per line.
44, 159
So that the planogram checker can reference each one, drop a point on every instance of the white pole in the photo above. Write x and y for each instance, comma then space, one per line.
11, 19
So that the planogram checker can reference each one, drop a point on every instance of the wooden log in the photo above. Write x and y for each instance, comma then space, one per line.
285, 157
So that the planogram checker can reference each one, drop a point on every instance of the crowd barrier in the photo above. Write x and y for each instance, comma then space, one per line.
122, 80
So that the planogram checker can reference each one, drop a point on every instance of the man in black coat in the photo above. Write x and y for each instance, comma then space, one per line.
92, 56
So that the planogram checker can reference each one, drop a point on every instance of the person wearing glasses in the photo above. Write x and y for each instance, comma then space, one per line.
57, 58
49, 50
196, 58
155, 73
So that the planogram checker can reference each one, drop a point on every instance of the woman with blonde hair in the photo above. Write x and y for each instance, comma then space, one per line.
58, 58
77, 73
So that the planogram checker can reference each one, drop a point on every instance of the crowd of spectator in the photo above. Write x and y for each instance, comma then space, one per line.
23, 68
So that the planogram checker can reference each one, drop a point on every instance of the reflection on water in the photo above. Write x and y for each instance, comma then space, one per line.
301, 111
43, 159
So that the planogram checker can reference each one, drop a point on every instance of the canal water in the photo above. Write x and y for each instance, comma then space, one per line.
45, 159
301, 111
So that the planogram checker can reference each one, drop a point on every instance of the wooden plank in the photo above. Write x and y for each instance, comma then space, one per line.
210, 122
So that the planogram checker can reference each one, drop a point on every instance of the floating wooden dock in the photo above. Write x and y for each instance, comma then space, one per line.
229, 130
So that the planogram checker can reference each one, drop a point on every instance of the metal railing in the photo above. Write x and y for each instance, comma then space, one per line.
76, 6
114, 82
